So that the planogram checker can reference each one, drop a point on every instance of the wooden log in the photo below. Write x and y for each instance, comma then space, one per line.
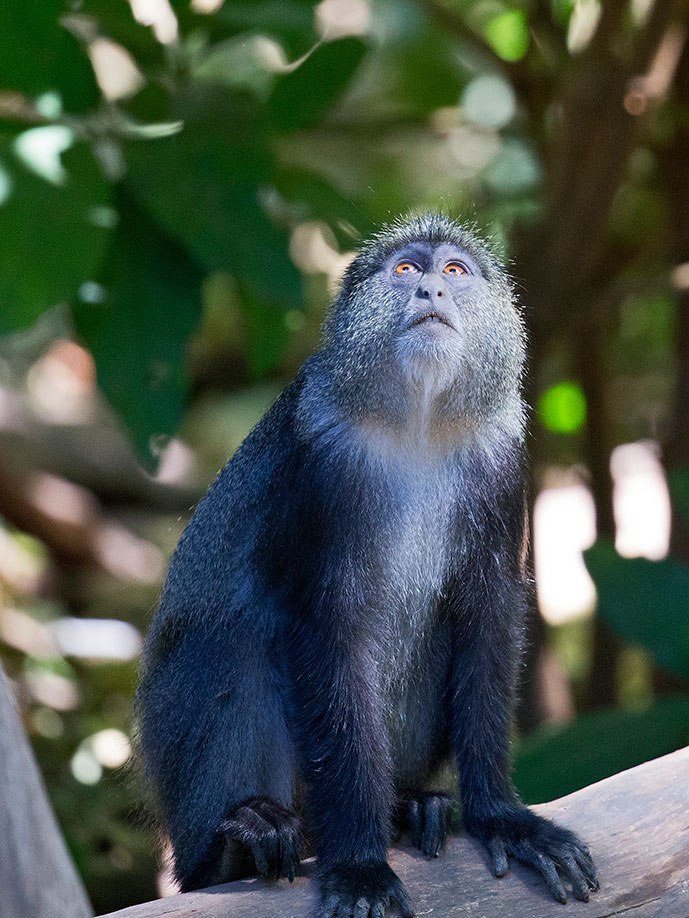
636, 824
37, 876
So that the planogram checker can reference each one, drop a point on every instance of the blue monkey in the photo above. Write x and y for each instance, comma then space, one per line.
344, 612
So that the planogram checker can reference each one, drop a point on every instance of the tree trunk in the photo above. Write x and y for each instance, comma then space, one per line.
37, 876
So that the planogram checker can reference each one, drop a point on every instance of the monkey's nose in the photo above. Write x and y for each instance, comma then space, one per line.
431, 287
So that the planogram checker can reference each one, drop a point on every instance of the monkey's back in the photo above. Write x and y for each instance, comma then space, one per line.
211, 573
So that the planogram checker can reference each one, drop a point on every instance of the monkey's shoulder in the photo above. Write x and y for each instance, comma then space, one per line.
221, 533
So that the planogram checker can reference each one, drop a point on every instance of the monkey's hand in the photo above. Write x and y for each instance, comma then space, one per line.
270, 831
540, 844
428, 816
362, 890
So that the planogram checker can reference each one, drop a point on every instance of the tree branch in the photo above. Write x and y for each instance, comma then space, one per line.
643, 809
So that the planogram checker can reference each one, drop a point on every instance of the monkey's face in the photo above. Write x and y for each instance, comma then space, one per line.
452, 328
425, 311
429, 285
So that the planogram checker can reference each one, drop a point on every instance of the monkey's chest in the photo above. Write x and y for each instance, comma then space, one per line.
414, 657
414, 572
414, 648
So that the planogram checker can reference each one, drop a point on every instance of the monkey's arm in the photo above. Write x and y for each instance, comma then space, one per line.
343, 753
331, 680
490, 601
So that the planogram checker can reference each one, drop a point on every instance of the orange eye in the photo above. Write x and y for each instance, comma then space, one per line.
406, 267
455, 268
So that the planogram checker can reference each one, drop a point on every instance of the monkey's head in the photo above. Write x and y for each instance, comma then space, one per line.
425, 316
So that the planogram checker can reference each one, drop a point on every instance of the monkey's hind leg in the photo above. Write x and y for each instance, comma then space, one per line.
216, 747
428, 816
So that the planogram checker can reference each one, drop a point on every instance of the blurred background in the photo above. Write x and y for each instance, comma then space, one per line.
182, 185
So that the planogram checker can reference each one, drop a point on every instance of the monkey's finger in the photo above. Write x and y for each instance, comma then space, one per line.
329, 907
271, 847
528, 854
548, 871
580, 887
362, 907
443, 817
496, 849
288, 859
398, 894
292, 843
246, 825
588, 868
259, 857
431, 829
583, 848
415, 822
378, 910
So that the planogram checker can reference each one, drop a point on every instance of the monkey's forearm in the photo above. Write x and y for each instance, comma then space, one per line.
487, 651
342, 748
483, 689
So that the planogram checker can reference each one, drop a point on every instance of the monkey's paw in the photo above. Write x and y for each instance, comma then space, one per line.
428, 815
362, 891
542, 845
272, 834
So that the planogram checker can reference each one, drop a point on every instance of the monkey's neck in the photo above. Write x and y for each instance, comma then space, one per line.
419, 427
402, 416
420, 436
431, 425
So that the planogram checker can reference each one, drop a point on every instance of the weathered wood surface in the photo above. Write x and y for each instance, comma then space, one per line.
636, 824
37, 876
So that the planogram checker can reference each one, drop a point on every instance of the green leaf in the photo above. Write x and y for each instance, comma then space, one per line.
290, 22
302, 97
73, 75
430, 73
203, 185
26, 39
562, 10
150, 105
38, 55
508, 35
644, 601
238, 62
554, 761
139, 335
53, 234
267, 336
678, 483
116, 21
319, 200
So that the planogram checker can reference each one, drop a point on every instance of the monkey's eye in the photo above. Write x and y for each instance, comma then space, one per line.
455, 268
406, 267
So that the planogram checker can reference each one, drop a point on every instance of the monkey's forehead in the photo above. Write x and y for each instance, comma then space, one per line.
434, 229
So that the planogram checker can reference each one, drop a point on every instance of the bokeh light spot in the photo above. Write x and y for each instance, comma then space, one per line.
562, 407
489, 101
40, 149
85, 767
508, 35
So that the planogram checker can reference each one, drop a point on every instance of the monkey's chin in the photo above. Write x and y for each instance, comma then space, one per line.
430, 357
430, 339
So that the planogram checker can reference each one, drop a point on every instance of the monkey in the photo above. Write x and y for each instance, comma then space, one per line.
344, 613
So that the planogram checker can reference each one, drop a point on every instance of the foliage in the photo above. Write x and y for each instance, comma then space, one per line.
554, 761
646, 602
143, 208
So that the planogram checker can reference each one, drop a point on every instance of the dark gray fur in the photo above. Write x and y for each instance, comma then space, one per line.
344, 612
